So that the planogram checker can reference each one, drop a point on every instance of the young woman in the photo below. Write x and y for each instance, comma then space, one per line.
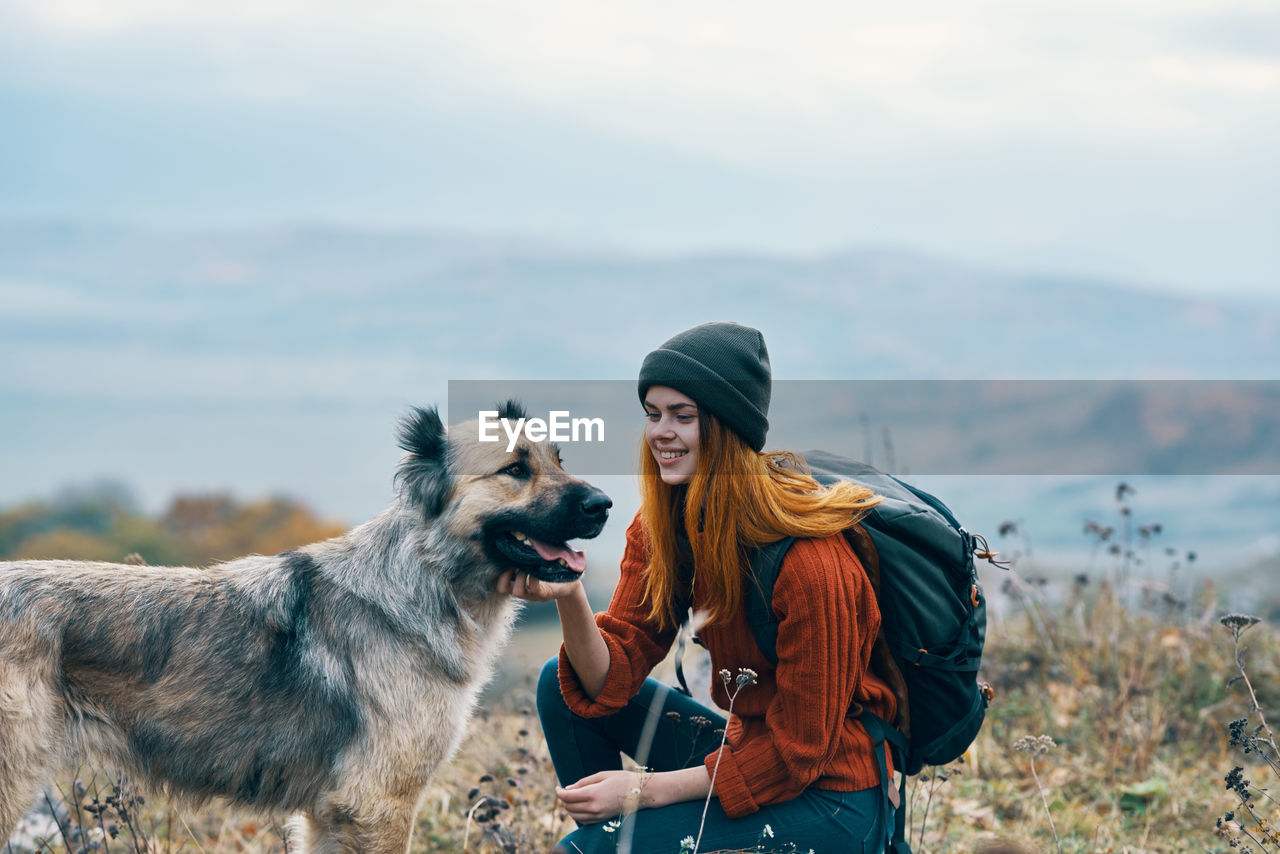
796, 767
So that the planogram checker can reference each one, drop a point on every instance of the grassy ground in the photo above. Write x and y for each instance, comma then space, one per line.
1136, 701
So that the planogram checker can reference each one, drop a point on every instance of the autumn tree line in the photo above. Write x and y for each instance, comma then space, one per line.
104, 522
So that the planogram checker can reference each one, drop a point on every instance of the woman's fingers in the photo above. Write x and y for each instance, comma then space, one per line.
597, 797
518, 584
584, 806
522, 585
533, 588
583, 783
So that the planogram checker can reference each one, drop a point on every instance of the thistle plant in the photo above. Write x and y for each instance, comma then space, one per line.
90, 819
1262, 740
1035, 746
1259, 742
746, 676
930, 781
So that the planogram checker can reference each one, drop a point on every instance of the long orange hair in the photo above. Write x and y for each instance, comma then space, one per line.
737, 499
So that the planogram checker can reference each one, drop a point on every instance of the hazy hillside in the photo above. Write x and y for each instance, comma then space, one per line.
469, 302
259, 362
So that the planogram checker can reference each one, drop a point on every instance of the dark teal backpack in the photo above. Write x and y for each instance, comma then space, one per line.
933, 617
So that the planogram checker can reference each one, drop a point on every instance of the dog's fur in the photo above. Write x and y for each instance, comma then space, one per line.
329, 681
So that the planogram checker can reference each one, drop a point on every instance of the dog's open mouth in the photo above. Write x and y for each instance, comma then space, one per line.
546, 561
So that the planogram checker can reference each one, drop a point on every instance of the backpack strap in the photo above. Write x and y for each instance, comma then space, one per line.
883, 663
766, 563
683, 605
683, 687
883, 735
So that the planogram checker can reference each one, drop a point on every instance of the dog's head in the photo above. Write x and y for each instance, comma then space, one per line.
518, 507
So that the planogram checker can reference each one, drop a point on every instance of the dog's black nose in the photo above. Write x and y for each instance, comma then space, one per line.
596, 503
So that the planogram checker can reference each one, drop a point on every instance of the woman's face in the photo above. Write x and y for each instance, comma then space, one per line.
672, 433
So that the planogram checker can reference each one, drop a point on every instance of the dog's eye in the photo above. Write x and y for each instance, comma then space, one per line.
516, 470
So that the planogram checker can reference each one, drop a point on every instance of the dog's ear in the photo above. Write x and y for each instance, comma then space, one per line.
425, 471
512, 410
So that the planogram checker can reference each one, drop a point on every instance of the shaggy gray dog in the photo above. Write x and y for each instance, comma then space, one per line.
329, 681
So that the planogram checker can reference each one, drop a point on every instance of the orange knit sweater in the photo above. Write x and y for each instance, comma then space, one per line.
791, 729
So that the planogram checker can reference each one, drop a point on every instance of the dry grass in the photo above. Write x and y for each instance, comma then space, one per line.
1137, 701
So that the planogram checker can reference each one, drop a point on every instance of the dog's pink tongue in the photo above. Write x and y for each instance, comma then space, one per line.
577, 560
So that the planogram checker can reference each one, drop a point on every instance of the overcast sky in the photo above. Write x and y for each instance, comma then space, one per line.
1128, 139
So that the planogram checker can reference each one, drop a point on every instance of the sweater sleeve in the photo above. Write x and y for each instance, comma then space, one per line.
635, 642
828, 619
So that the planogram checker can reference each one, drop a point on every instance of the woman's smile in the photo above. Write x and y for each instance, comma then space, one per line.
672, 433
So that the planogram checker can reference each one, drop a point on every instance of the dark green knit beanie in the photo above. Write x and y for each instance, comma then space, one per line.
721, 366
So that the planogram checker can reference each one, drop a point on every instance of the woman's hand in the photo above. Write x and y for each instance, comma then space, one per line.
522, 585
611, 793
604, 795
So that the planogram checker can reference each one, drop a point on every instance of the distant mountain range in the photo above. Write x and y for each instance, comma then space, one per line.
279, 360
465, 300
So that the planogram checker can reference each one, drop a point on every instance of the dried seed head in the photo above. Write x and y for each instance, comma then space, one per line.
1036, 745
1239, 622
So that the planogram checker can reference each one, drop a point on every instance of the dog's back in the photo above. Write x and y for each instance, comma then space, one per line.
185, 677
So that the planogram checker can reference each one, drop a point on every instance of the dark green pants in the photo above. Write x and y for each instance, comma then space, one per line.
826, 822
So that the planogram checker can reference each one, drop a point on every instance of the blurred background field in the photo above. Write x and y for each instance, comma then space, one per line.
132, 354
1123, 664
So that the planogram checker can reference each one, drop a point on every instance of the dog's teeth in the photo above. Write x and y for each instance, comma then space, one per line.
562, 561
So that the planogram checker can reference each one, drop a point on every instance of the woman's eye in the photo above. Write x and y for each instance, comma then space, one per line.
685, 419
652, 416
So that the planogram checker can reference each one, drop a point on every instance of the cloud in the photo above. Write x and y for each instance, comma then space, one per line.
1109, 137
1239, 29
28, 301
747, 81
